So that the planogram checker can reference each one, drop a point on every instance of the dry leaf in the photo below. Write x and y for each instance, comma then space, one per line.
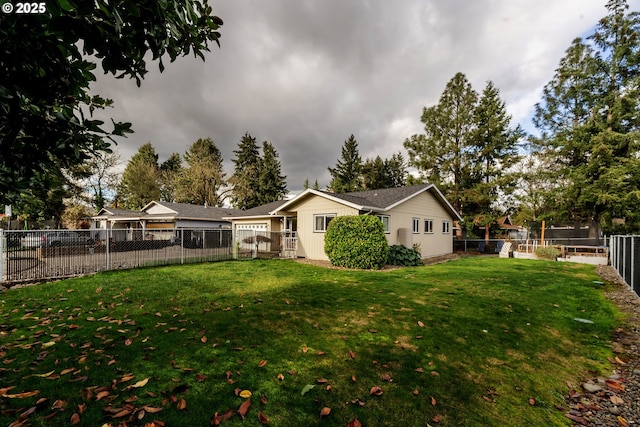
203, 339
139, 384
305, 349
620, 361
280, 377
622, 422
325, 412
415, 392
182, 405
354, 378
263, 418
263, 399
103, 394
262, 363
245, 394
352, 354
437, 419
22, 395
375, 391
321, 381
614, 385
420, 370
616, 400
75, 419
244, 408
420, 324
218, 419
532, 401
433, 401
354, 423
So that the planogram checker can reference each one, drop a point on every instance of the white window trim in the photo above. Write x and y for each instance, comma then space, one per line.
415, 226
387, 229
428, 230
447, 229
327, 215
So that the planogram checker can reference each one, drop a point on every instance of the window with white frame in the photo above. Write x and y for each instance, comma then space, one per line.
321, 221
428, 226
446, 227
416, 225
385, 222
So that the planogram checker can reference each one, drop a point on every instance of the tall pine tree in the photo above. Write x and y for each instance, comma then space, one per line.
346, 175
272, 183
245, 180
589, 121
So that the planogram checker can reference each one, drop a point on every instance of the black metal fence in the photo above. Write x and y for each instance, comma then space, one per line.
625, 258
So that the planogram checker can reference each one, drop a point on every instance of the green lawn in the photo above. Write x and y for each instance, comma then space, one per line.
468, 342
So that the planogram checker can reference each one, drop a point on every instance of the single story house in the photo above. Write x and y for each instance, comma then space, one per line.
131, 225
414, 215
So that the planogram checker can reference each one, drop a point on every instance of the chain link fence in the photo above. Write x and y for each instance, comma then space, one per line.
35, 255
625, 258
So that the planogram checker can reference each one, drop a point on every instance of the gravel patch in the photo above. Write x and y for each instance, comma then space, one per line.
613, 400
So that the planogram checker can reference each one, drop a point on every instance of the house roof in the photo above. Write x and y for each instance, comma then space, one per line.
260, 211
188, 211
377, 200
172, 211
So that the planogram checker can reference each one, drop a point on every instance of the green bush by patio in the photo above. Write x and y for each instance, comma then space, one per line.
403, 256
356, 242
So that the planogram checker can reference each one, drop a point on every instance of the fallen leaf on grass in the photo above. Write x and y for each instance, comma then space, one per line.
182, 405
375, 391
139, 384
354, 423
280, 377
263, 418
437, 419
307, 389
245, 394
262, 363
322, 381
75, 419
218, 419
532, 401
352, 354
325, 412
22, 395
263, 399
433, 401
244, 408
420, 324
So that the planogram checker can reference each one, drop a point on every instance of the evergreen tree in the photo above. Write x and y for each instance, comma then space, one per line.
345, 176
396, 171
316, 186
443, 154
495, 151
140, 182
272, 185
305, 186
589, 122
169, 172
203, 180
246, 176
374, 174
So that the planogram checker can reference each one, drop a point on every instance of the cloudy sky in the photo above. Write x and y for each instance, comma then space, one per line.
306, 74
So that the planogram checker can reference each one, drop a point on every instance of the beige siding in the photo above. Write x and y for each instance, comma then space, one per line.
423, 206
310, 243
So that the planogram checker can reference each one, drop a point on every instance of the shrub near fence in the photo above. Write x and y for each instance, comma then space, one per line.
625, 258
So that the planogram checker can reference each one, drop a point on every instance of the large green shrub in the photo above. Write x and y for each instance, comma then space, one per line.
356, 242
401, 255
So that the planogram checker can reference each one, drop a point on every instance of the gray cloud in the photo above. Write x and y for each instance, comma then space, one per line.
306, 74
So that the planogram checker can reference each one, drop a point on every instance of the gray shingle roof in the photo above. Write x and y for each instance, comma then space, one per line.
381, 198
262, 210
185, 210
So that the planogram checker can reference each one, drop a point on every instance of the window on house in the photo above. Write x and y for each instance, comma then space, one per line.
428, 226
446, 227
385, 222
321, 221
416, 225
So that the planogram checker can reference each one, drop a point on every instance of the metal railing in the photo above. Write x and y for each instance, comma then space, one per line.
36, 255
624, 255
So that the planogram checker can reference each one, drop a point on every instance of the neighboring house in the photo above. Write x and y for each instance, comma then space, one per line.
415, 215
129, 225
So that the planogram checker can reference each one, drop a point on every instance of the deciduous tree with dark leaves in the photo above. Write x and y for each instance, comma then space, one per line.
48, 60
